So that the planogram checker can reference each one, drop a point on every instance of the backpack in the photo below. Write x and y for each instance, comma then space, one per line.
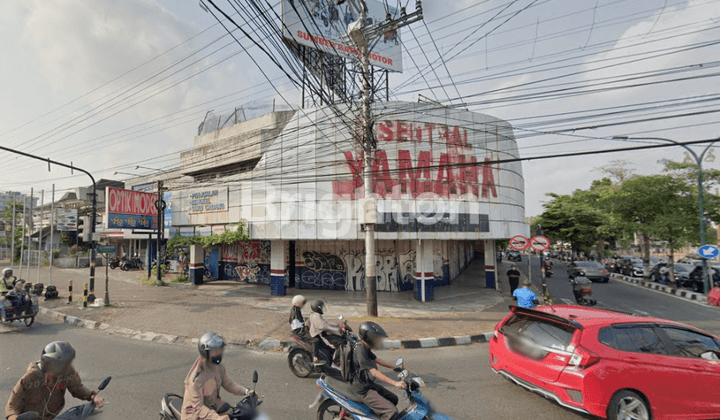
347, 362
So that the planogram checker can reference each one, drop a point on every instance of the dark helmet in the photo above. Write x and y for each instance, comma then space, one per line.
211, 341
371, 333
57, 356
318, 306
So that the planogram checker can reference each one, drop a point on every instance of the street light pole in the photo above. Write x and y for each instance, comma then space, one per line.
701, 191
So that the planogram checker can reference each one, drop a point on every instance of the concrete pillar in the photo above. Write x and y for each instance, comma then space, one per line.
424, 271
490, 261
197, 266
446, 263
277, 268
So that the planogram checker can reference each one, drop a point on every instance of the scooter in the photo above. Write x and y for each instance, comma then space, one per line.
582, 289
246, 409
79, 412
337, 400
548, 269
135, 262
300, 356
27, 315
115, 262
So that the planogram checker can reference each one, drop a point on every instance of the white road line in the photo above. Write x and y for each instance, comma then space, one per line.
568, 301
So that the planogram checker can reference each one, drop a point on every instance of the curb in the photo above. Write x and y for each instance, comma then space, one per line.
265, 344
680, 294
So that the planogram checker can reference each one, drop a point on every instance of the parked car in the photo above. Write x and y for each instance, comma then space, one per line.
608, 364
682, 272
594, 271
632, 267
513, 255
696, 281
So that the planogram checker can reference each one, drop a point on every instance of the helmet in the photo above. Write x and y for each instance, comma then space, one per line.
57, 356
318, 306
7, 271
211, 341
299, 300
371, 333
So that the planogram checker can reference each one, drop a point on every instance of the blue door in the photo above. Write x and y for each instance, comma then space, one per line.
214, 263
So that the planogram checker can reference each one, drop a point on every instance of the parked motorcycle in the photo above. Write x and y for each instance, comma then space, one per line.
116, 262
28, 314
79, 412
134, 263
246, 409
337, 400
300, 356
582, 289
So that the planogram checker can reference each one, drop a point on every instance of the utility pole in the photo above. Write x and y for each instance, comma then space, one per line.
12, 237
365, 35
52, 230
40, 232
22, 236
30, 232
160, 206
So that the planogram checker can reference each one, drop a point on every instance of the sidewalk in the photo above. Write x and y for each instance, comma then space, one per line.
246, 313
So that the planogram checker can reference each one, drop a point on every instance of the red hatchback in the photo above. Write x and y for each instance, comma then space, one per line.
610, 364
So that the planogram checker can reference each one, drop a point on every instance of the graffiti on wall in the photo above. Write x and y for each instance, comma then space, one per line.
247, 261
323, 261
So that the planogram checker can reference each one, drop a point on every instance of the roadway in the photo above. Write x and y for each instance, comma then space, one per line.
622, 296
460, 382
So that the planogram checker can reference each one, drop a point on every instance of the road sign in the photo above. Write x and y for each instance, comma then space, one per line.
106, 249
540, 243
519, 243
708, 251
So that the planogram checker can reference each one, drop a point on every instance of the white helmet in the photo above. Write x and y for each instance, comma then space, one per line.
299, 300
7, 272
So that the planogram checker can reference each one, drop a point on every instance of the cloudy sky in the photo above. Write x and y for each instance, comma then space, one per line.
112, 85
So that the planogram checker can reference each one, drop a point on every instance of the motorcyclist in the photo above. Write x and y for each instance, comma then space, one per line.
297, 322
206, 377
327, 334
42, 388
8, 280
17, 298
380, 400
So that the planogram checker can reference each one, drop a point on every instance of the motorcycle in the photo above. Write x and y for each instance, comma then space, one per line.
300, 355
337, 400
116, 262
79, 412
31, 310
548, 269
246, 409
135, 262
582, 289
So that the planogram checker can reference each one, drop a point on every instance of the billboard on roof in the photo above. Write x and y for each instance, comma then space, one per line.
322, 24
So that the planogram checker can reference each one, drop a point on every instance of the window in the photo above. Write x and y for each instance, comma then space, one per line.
534, 337
690, 343
636, 339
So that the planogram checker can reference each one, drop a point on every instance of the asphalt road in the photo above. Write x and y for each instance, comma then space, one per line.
460, 382
622, 296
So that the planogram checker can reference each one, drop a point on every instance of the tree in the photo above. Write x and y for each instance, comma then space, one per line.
618, 170
658, 206
576, 218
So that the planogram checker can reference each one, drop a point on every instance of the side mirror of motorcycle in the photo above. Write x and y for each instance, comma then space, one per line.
30, 415
341, 317
399, 362
224, 408
255, 377
104, 383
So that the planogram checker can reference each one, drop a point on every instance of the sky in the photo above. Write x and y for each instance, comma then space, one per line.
110, 85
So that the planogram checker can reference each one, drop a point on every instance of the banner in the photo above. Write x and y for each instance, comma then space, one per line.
323, 25
127, 209
66, 219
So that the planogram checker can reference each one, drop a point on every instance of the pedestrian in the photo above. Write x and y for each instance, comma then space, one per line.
525, 297
514, 278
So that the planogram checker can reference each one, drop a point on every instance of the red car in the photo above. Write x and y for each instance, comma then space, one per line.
609, 364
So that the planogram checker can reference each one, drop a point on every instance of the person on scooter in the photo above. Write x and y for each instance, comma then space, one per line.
365, 362
42, 388
327, 335
206, 377
525, 297
17, 298
297, 322
8, 280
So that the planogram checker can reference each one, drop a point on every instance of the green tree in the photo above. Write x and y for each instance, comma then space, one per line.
7, 216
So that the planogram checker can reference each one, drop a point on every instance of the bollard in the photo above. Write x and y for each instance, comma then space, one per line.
85, 295
69, 292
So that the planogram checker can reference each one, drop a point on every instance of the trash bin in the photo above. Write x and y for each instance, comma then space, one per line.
196, 274
429, 290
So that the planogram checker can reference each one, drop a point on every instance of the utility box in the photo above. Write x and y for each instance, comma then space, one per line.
367, 211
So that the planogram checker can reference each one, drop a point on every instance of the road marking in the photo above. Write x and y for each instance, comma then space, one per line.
568, 301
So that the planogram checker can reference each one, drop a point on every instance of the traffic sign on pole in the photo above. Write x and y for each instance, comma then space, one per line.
519, 243
540, 243
708, 251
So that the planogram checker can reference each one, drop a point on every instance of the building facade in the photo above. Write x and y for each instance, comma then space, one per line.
446, 184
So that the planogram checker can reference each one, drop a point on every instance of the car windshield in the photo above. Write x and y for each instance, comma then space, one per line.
637, 261
682, 268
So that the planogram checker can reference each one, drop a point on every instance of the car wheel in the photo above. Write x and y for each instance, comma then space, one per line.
628, 405
606, 280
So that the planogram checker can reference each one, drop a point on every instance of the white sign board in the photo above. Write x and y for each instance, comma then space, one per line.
322, 24
66, 219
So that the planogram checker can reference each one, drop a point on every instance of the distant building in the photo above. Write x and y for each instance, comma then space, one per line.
8, 197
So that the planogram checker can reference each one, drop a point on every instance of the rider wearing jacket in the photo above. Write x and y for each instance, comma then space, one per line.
327, 334
17, 298
380, 400
203, 383
297, 322
42, 388
7, 282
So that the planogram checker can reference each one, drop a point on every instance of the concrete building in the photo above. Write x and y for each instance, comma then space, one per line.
442, 196
8, 197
